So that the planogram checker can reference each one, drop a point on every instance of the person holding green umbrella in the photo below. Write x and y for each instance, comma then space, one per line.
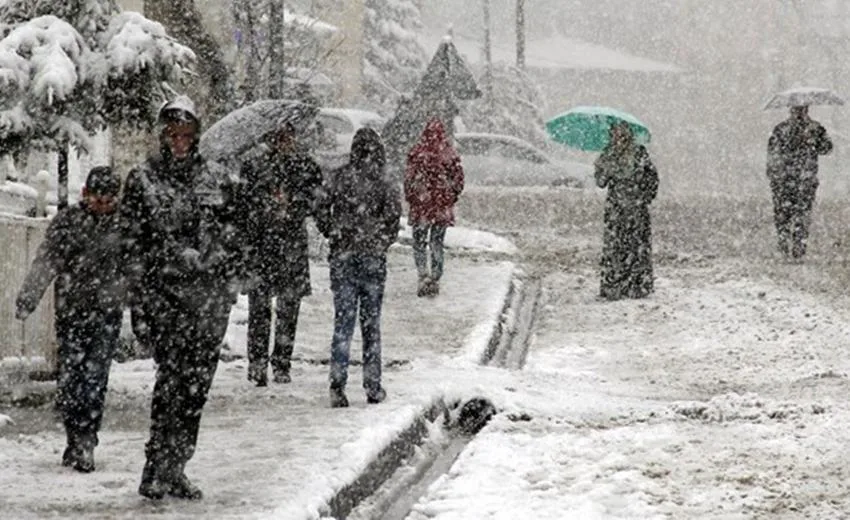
625, 169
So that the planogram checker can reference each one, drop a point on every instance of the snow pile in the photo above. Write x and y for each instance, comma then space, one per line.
747, 407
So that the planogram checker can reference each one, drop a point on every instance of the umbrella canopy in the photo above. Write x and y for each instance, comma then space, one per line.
240, 130
804, 96
588, 128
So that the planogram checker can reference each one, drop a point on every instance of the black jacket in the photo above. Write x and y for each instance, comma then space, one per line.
172, 216
793, 150
277, 194
361, 211
82, 251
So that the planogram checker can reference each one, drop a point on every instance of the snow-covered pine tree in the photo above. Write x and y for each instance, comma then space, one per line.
394, 59
516, 108
61, 81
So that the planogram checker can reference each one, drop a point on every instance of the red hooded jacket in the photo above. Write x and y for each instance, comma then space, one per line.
434, 177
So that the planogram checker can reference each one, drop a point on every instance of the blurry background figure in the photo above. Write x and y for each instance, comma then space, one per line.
432, 185
624, 167
82, 253
792, 169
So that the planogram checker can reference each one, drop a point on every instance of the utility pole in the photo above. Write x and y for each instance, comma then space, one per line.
277, 67
488, 63
520, 34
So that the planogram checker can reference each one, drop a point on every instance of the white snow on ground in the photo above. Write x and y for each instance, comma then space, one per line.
466, 238
280, 451
719, 397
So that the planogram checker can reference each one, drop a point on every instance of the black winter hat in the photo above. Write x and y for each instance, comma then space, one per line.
102, 181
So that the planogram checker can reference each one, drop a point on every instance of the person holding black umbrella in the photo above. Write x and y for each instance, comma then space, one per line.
280, 189
792, 170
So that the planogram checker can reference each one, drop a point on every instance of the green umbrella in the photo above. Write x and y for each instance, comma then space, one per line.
587, 128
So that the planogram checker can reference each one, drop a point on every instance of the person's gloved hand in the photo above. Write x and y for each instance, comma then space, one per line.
191, 258
21, 313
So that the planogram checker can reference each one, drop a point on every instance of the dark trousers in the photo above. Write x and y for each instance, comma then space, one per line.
186, 346
425, 236
87, 342
793, 200
357, 281
260, 325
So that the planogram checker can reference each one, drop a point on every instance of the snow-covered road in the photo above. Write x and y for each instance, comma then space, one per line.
722, 396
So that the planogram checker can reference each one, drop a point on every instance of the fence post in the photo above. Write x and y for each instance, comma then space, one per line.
41, 180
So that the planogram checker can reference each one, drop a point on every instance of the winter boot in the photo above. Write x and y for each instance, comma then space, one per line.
281, 375
258, 375
183, 488
376, 396
69, 456
434, 288
84, 461
153, 486
424, 286
338, 398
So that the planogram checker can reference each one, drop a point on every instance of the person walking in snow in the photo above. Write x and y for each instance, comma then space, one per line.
280, 190
360, 217
433, 183
625, 169
792, 169
181, 265
82, 253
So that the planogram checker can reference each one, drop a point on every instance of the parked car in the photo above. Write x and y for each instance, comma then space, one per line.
504, 160
334, 130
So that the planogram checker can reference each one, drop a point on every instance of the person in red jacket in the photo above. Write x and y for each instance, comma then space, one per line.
432, 184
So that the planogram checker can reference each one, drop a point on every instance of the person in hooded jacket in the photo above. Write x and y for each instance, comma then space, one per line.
792, 169
433, 183
181, 273
279, 191
82, 252
625, 169
360, 217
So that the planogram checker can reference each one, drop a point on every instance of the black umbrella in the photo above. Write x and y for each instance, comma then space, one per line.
239, 131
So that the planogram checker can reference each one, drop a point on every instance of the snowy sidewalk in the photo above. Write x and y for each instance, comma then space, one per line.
278, 451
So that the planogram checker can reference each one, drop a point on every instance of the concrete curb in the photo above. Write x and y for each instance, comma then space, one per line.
393, 455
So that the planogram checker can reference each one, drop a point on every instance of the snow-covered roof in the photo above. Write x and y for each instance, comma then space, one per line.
313, 24
554, 53
358, 117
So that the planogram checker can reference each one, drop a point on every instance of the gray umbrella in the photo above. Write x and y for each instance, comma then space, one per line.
239, 131
804, 96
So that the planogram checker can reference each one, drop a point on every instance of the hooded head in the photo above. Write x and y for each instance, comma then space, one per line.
100, 193
621, 135
180, 128
435, 132
367, 151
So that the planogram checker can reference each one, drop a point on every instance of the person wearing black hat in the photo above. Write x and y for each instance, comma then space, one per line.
180, 290
281, 189
82, 252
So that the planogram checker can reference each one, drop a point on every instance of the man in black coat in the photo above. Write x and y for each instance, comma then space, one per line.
172, 208
280, 190
792, 168
81, 251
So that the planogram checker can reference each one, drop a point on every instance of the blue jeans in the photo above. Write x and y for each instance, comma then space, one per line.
357, 280
421, 241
